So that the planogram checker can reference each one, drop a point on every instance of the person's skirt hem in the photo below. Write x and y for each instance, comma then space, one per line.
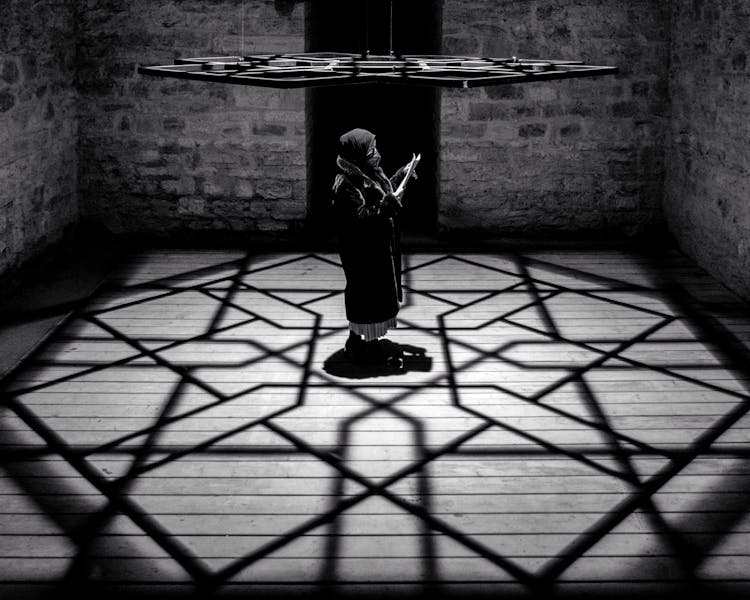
372, 331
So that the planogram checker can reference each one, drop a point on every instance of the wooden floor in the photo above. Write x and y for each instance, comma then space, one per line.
571, 422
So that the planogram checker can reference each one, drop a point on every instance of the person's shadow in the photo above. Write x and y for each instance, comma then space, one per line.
340, 365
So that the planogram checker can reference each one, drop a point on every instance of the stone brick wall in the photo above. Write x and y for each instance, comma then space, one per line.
38, 198
707, 191
560, 156
162, 155
165, 155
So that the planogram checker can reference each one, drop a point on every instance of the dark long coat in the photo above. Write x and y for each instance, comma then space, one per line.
369, 245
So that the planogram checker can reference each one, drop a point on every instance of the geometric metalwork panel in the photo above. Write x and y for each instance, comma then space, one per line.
299, 70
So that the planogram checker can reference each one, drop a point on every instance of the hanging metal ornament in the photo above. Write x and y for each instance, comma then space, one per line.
315, 69
326, 69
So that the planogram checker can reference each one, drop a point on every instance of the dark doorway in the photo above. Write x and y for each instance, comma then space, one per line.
405, 119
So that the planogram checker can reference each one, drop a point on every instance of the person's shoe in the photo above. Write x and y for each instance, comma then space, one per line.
392, 355
354, 347
365, 353
376, 352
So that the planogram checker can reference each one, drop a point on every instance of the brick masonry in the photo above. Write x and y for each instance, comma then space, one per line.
38, 189
162, 156
707, 191
562, 156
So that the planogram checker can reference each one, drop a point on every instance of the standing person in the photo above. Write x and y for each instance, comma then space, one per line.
366, 211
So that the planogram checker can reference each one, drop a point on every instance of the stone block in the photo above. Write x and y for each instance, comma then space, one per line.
532, 130
273, 188
244, 189
283, 158
461, 45
191, 205
506, 92
640, 88
178, 187
7, 101
173, 124
284, 117
10, 72
461, 153
461, 130
218, 186
572, 130
620, 110
487, 111
269, 129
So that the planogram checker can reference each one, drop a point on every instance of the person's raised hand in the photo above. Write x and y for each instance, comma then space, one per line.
392, 202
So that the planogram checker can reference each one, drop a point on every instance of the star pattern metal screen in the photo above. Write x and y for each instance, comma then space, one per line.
329, 69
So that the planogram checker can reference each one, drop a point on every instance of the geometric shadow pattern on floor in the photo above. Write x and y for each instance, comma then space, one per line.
527, 362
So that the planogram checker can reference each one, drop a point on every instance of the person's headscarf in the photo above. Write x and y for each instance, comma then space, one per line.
355, 146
